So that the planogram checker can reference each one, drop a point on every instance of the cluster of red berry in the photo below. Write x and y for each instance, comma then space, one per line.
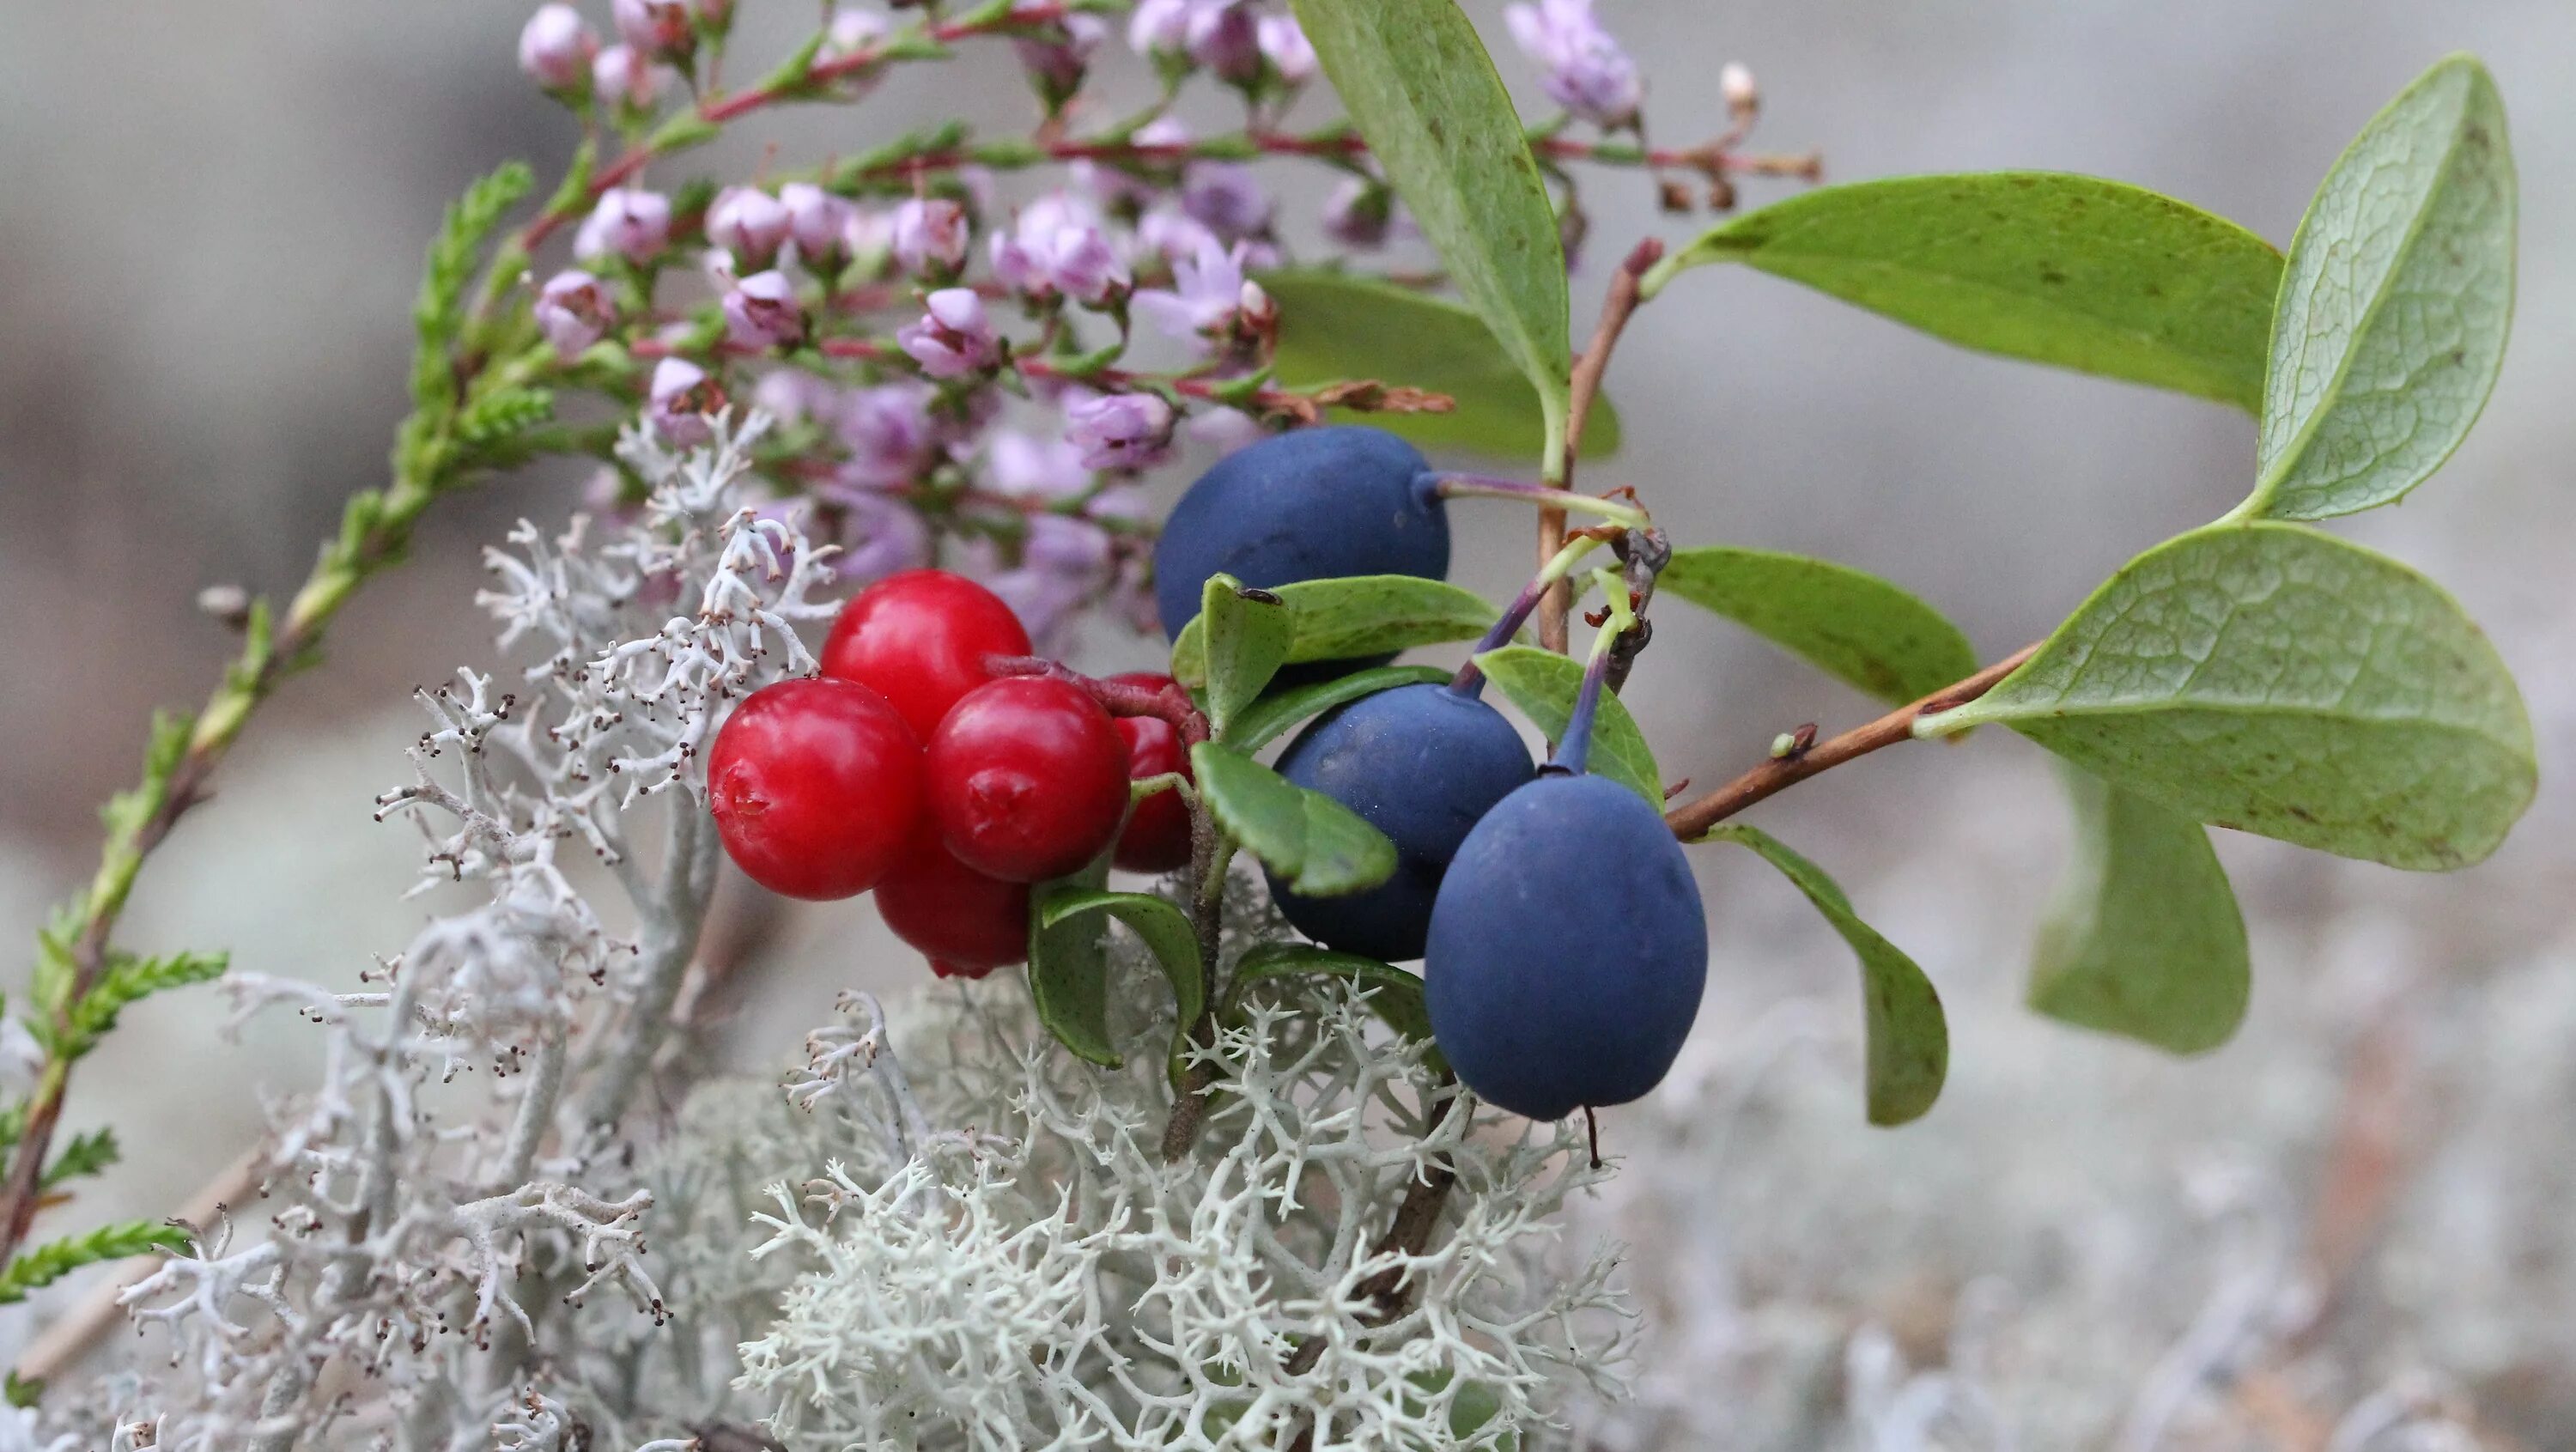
910, 767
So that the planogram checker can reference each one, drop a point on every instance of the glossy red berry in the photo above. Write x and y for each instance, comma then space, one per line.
1157, 835
966, 923
1028, 778
816, 786
920, 639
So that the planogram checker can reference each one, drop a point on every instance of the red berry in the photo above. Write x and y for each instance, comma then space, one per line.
1028, 778
920, 639
967, 924
1157, 835
816, 786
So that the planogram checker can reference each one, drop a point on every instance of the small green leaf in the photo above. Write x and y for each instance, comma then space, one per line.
1422, 91
503, 412
21, 1392
129, 979
1069, 970
1245, 637
1853, 626
2393, 313
2098, 276
1337, 327
1165, 931
1320, 846
1355, 616
2143, 938
1909, 1038
86, 1154
1394, 995
2276, 680
1268, 718
47, 1264
1544, 684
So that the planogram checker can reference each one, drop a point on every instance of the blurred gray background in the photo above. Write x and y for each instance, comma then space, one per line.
211, 220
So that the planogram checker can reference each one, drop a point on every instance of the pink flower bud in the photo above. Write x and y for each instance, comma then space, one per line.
1226, 198
681, 401
747, 222
1021, 467
573, 311
1359, 213
890, 433
1058, 62
1159, 27
1736, 85
633, 223
621, 75
1207, 289
955, 339
661, 29
1284, 44
761, 311
854, 29
814, 220
555, 49
930, 237
1120, 430
1059, 246
1583, 67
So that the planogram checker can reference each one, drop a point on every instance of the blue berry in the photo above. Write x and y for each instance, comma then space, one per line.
1568, 949
1422, 763
1315, 504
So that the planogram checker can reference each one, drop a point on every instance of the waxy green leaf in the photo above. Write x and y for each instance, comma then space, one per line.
1544, 684
1395, 995
1162, 927
1245, 639
2098, 276
1424, 94
1337, 327
1853, 626
2277, 680
2393, 313
1069, 969
1352, 617
2143, 937
1320, 846
1909, 1037
1271, 716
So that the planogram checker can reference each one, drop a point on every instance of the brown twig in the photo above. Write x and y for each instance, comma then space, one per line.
1585, 386
1693, 818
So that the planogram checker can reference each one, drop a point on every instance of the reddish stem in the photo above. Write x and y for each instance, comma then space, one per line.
1169, 703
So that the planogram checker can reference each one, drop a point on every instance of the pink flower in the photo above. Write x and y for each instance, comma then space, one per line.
747, 222
1224, 197
661, 29
930, 237
1019, 466
1582, 67
955, 339
1120, 430
621, 75
630, 222
1057, 61
1359, 213
1225, 37
573, 311
815, 218
853, 30
1206, 292
555, 49
681, 400
1159, 27
1059, 245
761, 311
890, 434
880, 536
1285, 45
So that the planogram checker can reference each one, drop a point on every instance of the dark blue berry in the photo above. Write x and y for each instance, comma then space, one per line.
1315, 504
1421, 763
1568, 949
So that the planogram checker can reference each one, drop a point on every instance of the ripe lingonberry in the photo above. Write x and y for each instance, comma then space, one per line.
816, 785
1157, 835
1028, 778
920, 639
966, 923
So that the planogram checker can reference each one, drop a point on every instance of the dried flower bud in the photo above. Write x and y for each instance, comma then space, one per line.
954, 339
749, 223
1120, 430
555, 49
930, 236
761, 311
660, 29
573, 311
1582, 66
227, 603
681, 401
1284, 45
633, 223
1735, 84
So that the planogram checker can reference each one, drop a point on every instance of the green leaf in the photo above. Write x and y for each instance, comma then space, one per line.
2098, 276
1320, 846
1422, 91
1339, 327
1544, 684
2143, 938
1395, 996
503, 412
438, 311
2276, 680
22, 1392
1909, 1039
1165, 931
1853, 626
1069, 970
2393, 313
86, 1154
1245, 638
1271, 716
129, 979
47, 1264
1355, 616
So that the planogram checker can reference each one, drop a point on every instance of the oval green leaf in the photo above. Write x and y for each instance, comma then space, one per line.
1424, 94
2143, 938
1245, 639
1851, 625
2277, 680
1394, 995
1544, 684
1271, 716
1908, 1035
2394, 310
1321, 847
1337, 327
1162, 927
2076, 271
1069, 969
1355, 616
